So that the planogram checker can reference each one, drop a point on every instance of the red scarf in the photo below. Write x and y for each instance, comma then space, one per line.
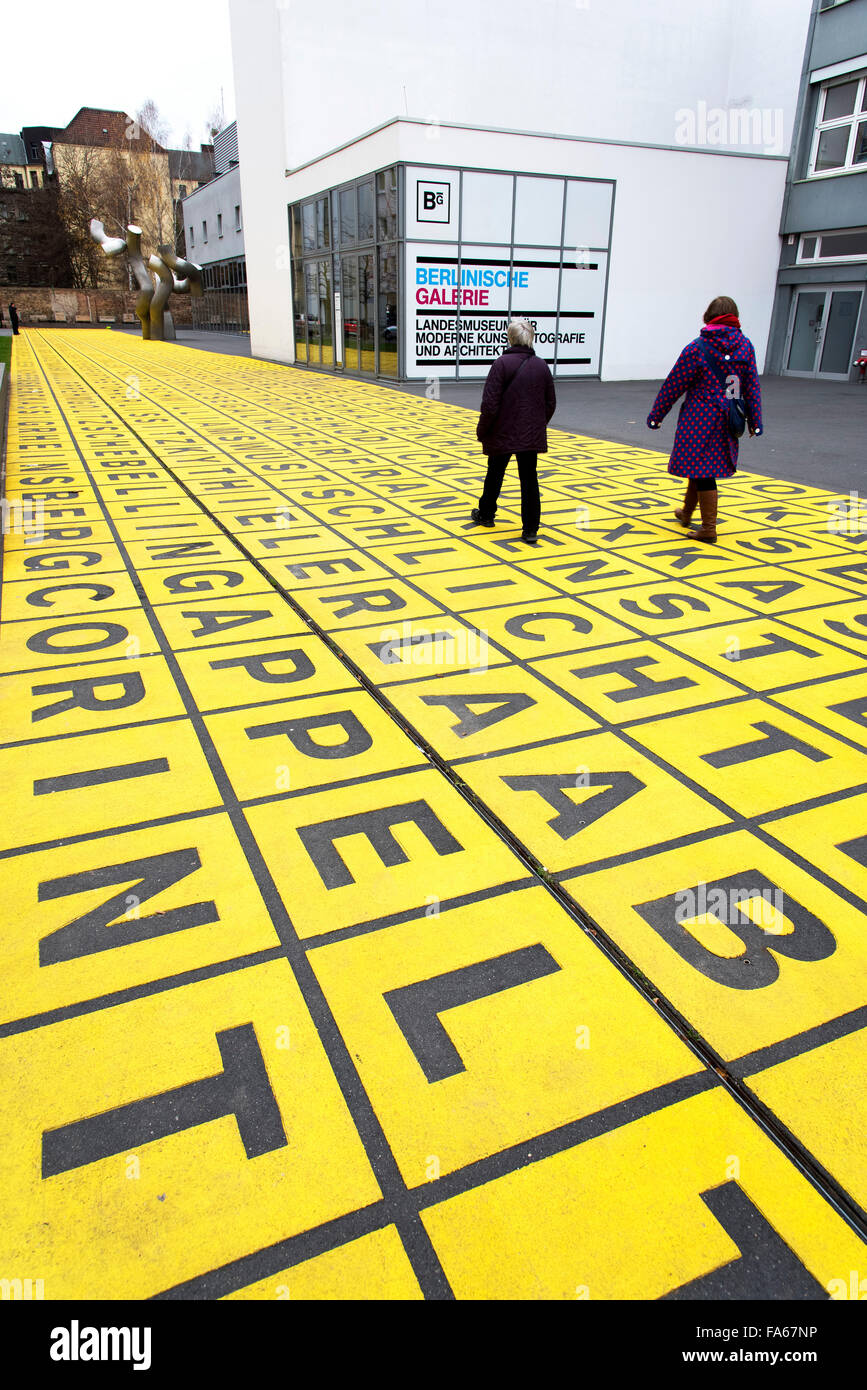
724, 321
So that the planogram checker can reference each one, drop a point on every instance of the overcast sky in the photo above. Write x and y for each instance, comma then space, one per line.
68, 53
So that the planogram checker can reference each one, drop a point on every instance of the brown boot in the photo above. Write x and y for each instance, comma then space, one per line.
707, 501
684, 513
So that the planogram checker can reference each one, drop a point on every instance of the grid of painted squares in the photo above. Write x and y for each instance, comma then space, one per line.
265, 954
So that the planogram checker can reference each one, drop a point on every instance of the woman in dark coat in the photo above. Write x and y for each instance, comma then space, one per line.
703, 448
517, 403
13, 317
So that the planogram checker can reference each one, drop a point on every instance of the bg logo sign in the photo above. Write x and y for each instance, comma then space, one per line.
433, 202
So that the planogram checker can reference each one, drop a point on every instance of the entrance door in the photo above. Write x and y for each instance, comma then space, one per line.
822, 333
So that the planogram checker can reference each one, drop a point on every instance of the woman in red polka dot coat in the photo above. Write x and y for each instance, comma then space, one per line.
703, 448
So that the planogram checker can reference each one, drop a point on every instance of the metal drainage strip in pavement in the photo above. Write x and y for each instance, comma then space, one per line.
470, 920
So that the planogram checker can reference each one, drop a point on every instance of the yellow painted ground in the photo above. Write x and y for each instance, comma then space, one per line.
293, 757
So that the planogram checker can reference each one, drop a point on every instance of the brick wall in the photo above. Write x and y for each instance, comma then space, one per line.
71, 307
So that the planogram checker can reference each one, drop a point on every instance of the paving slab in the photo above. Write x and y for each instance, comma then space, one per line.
470, 920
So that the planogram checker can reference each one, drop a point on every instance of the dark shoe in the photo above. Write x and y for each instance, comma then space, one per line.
684, 513
707, 500
479, 519
530, 540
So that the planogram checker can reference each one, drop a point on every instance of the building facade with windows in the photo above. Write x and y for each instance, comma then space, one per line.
214, 237
601, 192
820, 313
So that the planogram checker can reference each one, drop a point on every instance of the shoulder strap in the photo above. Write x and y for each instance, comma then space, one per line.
514, 374
715, 366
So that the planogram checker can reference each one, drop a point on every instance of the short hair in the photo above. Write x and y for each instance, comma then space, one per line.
719, 306
521, 333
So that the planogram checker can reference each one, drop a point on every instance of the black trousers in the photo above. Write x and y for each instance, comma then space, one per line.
531, 507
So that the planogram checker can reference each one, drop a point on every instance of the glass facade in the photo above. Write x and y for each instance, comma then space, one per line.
345, 276
223, 305
412, 272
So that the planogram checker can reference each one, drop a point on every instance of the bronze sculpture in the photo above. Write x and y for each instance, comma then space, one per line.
174, 274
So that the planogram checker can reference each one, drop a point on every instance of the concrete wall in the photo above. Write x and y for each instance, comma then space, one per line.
817, 205
840, 33
257, 56
620, 70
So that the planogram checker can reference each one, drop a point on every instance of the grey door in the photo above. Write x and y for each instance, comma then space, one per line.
839, 338
806, 332
822, 334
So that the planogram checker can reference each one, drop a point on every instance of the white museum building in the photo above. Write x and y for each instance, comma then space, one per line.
413, 174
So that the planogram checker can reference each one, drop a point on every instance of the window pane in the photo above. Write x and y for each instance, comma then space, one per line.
348, 223
486, 212
294, 230
539, 211
388, 310
298, 312
326, 336
335, 220
840, 101
386, 205
350, 312
311, 284
833, 144
588, 216
365, 211
322, 229
366, 313
808, 248
844, 244
309, 222
860, 153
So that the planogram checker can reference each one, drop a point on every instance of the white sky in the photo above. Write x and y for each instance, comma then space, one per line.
92, 53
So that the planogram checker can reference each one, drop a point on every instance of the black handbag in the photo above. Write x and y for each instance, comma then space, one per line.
736, 405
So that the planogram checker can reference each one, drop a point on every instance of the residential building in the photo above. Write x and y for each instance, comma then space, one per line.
17, 169
820, 313
214, 232
32, 243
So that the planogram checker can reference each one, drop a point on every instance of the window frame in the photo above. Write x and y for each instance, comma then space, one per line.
853, 121
817, 259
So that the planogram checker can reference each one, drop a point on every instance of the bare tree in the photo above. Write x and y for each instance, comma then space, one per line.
79, 192
215, 120
151, 122
127, 181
